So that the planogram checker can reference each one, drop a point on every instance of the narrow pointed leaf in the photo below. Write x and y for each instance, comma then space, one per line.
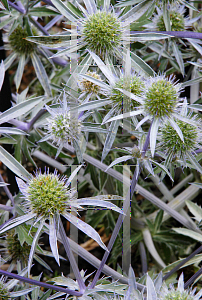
53, 41
2, 74
153, 135
110, 138
151, 293
73, 174
187, 232
19, 109
11, 163
41, 73
17, 221
34, 244
87, 229
118, 160
100, 203
53, 238
195, 209
65, 11
19, 72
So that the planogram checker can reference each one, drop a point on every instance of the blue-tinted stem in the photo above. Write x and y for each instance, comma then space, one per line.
180, 34
43, 284
193, 278
182, 263
71, 258
126, 204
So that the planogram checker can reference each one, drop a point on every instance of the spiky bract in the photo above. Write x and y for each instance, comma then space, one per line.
102, 32
48, 194
161, 97
133, 84
172, 141
88, 86
64, 128
19, 43
15, 249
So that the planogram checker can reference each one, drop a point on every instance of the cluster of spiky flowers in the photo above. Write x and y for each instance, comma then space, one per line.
178, 22
18, 41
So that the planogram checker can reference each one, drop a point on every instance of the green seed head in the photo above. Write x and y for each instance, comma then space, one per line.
172, 141
161, 98
4, 294
131, 84
15, 249
102, 32
176, 20
19, 43
177, 295
90, 87
48, 195
63, 128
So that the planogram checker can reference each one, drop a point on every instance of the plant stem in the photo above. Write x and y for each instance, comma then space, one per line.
182, 263
43, 284
71, 257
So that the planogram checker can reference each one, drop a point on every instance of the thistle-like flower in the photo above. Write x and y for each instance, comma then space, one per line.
47, 197
66, 126
22, 50
178, 22
103, 30
177, 150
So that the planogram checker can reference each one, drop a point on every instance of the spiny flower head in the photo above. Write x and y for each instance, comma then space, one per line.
48, 194
19, 43
161, 96
172, 141
63, 127
133, 84
177, 20
101, 32
15, 249
88, 86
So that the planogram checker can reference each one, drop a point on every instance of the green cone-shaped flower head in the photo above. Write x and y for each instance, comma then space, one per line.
47, 194
161, 97
172, 141
19, 43
101, 32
